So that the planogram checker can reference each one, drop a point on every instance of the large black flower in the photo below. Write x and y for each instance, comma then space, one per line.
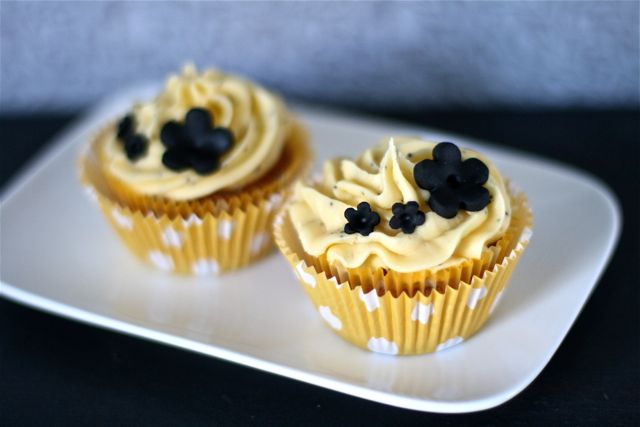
362, 220
196, 144
453, 184
406, 217
134, 144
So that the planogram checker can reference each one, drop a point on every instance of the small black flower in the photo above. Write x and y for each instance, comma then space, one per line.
407, 217
196, 144
362, 220
453, 184
135, 144
125, 127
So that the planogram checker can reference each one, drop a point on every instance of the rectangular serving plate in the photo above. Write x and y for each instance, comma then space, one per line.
57, 254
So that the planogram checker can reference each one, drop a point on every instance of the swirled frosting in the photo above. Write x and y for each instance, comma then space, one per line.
382, 176
257, 118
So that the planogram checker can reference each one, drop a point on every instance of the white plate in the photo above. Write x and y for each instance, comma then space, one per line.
59, 255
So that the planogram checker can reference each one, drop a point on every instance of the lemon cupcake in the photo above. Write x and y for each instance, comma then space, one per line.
407, 249
191, 180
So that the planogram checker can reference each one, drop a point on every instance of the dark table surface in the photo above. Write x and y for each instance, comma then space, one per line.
57, 372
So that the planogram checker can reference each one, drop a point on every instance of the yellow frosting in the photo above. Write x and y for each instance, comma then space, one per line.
258, 119
382, 176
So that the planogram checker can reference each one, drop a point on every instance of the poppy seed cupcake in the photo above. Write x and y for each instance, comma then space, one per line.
406, 249
191, 179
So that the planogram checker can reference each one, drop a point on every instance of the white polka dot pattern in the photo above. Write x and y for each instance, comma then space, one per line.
192, 219
225, 228
422, 312
370, 299
161, 261
172, 238
307, 278
122, 220
204, 267
91, 193
476, 295
382, 346
449, 343
259, 241
330, 318
496, 301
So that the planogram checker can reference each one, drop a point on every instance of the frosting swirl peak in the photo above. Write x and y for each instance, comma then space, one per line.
257, 119
383, 176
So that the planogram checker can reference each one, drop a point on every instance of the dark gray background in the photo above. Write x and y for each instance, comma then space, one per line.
383, 56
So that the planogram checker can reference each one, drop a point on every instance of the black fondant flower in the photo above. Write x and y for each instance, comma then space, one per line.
125, 127
362, 220
453, 184
135, 144
406, 217
196, 144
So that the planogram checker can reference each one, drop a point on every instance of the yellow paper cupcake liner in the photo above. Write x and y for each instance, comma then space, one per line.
206, 236
408, 322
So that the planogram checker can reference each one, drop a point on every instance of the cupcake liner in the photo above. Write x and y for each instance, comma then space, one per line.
205, 236
415, 320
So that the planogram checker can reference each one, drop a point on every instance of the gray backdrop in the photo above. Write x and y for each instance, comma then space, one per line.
64, 55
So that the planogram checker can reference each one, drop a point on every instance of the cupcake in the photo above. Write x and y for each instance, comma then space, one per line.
407, 249
191, 180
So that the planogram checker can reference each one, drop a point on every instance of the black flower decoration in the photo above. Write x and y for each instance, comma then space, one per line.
126, 127
453, 184
196, 144
134, 144
406, 217
362, 220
